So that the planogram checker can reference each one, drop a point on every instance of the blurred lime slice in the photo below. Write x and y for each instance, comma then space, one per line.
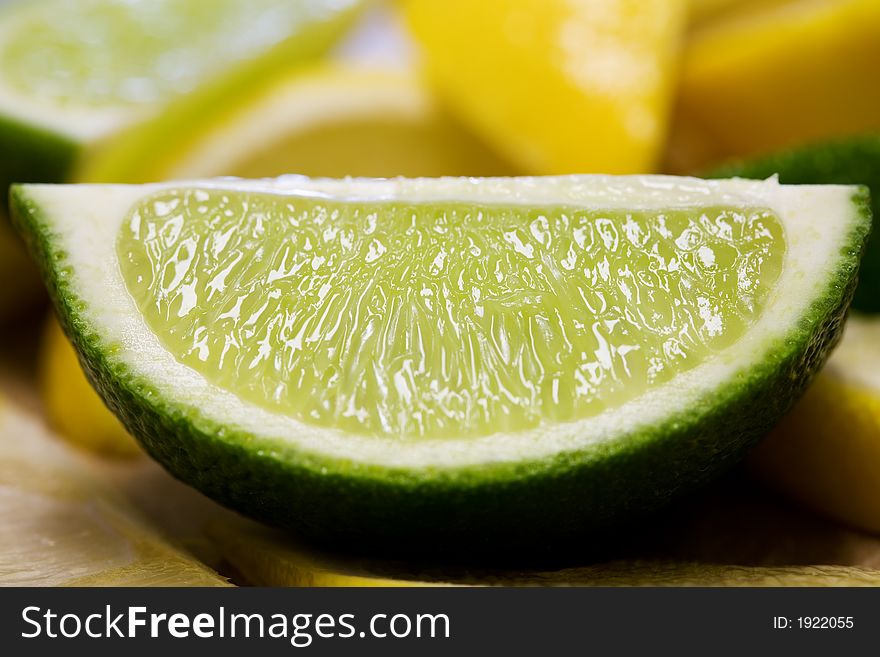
325, 120
59, 526
73, 72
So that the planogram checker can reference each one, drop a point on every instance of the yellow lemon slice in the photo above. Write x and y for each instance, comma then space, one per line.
826, 452
774, 76
559, 86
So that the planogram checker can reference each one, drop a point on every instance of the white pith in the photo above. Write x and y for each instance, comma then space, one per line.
84, 222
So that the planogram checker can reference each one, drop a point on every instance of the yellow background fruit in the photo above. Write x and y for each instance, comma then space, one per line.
826, 452
330, 120
559, 86
773, 75
74, 410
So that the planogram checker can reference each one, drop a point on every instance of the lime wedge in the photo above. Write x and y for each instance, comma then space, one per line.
59, 526
422, 362
73, 72
323, 120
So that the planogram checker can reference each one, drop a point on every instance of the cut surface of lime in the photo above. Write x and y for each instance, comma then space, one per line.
849, 161
161, 48
61, 526
354, 353
444, 319
55, 68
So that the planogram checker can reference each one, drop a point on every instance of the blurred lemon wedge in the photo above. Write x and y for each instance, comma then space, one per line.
60, 526
73, 409
767, 76
559, 86
826, 451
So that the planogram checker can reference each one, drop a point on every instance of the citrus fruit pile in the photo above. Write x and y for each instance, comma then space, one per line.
455, 305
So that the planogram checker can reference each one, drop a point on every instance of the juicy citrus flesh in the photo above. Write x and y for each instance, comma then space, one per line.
161, 48
441, 320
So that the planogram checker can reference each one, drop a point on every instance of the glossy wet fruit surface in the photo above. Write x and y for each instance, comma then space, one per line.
454, 364
457, 320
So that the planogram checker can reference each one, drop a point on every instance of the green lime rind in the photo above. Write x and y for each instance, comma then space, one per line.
854, 160
33, 154
534, 506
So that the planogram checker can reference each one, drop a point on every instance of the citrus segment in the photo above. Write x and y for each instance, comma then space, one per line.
131, 268
75, 73
55, 70
476, 318
63, 60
